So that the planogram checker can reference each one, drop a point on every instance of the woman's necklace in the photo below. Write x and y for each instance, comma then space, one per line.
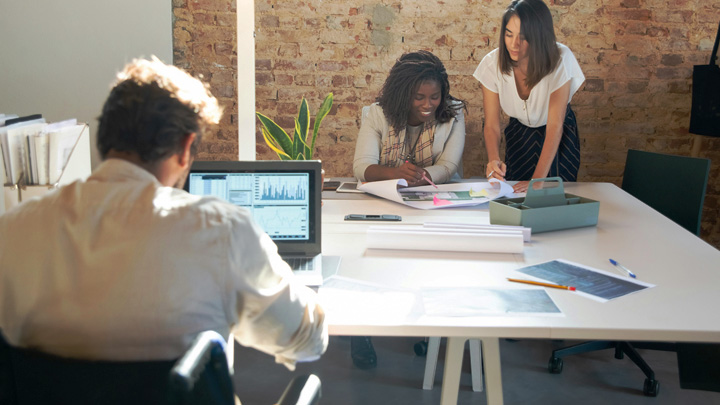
410, 156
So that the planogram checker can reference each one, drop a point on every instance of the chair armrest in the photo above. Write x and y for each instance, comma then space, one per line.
302, 390
202, 374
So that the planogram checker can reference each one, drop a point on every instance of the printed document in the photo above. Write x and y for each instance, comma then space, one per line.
593, 283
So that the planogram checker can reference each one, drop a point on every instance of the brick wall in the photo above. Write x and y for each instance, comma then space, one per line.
204, 33
637, 56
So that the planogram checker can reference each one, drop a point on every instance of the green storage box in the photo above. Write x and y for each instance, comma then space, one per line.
545, 209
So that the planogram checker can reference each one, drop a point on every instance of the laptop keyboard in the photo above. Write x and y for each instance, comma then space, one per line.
299, 263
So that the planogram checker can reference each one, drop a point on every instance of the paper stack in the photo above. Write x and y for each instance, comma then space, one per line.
447, 237
34, 152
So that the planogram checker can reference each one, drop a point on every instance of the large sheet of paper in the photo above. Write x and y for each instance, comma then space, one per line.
444, 196
477, 301
592, 283
361, 302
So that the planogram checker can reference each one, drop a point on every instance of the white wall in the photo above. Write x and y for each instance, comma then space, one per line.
58, 58
246, 79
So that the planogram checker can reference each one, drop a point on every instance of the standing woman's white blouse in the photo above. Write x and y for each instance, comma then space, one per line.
532, 112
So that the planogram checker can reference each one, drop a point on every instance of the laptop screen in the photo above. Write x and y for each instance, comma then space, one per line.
283, 197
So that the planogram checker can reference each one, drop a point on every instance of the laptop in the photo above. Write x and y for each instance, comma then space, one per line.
283, 198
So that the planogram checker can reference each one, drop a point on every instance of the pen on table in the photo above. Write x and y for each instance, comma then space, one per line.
562, 287
621, 267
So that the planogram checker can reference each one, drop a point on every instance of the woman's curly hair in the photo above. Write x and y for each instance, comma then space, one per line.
406, 76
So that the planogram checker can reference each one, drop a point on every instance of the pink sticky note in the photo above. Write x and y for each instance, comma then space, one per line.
437, 201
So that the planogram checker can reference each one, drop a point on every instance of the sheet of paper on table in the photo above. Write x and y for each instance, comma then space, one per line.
481, 301
590, 282
349, 299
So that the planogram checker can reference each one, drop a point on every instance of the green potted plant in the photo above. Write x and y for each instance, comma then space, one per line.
301, 145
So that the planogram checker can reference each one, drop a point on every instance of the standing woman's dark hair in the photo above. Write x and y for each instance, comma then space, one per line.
406, 76
537, 29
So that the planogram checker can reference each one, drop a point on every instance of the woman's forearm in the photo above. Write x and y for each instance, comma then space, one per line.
380, 172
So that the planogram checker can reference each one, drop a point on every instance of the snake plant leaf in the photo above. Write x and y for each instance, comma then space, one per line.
322, 112
302, 126
278, 134
273, 145
299, 145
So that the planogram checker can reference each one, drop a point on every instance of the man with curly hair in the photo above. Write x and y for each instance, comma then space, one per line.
127, 266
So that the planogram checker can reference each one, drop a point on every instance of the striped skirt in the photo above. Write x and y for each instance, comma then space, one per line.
524, 144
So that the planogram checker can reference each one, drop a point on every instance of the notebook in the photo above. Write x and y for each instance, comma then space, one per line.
283, 198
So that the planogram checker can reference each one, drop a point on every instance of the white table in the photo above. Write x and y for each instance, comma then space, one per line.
682, 306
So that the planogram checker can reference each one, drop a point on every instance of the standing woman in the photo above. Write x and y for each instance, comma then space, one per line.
532, 78
415, 128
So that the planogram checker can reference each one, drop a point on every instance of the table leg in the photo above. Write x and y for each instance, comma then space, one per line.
453, 368
493, 376
476, 371
431, 358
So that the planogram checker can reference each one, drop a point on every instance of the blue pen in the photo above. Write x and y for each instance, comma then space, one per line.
616, 264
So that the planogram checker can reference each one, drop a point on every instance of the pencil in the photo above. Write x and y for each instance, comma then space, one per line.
428, 180
562, 287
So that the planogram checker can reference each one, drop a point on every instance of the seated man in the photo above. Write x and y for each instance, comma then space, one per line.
127, 266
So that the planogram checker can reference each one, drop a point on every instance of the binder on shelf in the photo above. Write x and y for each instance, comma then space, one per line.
76, 166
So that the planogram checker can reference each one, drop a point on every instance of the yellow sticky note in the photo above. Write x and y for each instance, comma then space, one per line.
481, 193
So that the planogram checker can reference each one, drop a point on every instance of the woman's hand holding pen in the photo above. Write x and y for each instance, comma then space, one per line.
411, 173
495, 170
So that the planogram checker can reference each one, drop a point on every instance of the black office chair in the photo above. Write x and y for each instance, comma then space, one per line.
202, 376
647, 176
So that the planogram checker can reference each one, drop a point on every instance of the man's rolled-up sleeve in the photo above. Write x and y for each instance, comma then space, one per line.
271, 311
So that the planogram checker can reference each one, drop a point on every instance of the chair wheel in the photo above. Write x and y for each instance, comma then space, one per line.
420, 348
651, 388
555, 365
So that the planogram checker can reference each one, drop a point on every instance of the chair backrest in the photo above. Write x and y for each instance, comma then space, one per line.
673, 185
31, 377
202, 375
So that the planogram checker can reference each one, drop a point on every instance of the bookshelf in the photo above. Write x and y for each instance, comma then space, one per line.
76, 167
